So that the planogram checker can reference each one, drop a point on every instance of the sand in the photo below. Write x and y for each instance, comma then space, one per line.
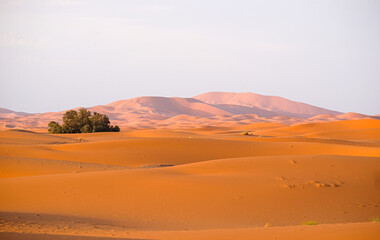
199, 183
217, 109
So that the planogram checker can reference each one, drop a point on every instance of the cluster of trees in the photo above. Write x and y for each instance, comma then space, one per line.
83, 121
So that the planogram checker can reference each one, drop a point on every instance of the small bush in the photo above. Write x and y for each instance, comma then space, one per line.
310, 223
115, 128
245, 133
375, 219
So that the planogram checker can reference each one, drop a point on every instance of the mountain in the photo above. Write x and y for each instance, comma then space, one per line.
6, 113
167, 107
277, 105
209, 109
164, 107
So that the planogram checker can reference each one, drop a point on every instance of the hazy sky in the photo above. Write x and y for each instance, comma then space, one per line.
61, 54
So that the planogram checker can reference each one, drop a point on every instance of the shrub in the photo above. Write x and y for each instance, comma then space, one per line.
115, 128
310, 223
83, 122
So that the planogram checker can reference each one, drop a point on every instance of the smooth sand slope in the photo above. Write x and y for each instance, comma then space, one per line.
200, 184
364, 129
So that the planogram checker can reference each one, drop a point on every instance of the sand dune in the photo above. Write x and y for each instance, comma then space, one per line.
250, 191
168, 106
23, 137
147, 151
349, 130
197, 183
351, 116
347, 231
20, 167
269, 103
209, 109
261, 126
6, 113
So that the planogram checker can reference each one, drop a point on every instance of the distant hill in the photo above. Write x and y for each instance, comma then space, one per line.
209, 109
277, 105
6, 113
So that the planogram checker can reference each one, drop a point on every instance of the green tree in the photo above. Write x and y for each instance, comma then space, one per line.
54, 127
83, 122
86, 129
114, 128
84, 117
100, 122
71, 122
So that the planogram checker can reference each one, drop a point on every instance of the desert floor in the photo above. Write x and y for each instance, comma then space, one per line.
310, 181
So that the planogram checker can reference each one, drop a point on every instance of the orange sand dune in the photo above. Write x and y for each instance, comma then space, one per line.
84, 231
23, 137
347, 129
354, 134
199, 183
229, 193
161, 133
18, 167
348, 231
261, 126
147, 151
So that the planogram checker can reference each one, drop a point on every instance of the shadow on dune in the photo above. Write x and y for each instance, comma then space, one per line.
30, 236
51, 220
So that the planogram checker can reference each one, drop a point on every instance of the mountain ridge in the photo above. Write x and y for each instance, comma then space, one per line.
276, 104
212, 108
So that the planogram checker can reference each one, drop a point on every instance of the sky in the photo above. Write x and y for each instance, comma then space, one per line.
61, 54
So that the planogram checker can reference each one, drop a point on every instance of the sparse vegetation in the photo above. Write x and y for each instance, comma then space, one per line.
245, 133
310, 223
83, 122
375, 219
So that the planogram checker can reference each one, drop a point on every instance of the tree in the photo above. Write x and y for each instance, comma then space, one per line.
101, 123
83, 122
86, 129
71, 122
115, 128
84, 119
54, 127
